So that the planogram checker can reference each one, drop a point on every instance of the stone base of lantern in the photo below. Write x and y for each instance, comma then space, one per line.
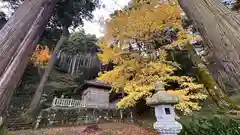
167, 127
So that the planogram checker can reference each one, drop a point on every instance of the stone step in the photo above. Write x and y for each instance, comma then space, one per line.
14, 114
15, 110
15, 128
19, 100
18, 108
16, 123
14, 119
25, 96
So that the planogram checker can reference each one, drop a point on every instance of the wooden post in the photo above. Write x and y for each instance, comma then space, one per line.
39, 118
131, 115
54, 101
71, 103
1, 121
121, 114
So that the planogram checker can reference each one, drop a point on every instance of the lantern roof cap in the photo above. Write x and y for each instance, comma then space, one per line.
162, 96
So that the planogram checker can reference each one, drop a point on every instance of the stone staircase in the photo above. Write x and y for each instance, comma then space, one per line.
17, 124
19, 103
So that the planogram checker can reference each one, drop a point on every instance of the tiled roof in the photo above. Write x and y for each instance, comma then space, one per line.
97, 83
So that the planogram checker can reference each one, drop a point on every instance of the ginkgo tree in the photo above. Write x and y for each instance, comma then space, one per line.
137, 42
41, 56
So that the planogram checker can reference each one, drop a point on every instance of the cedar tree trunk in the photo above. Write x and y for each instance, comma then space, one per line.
14, 31
219, 27
203, 75
19, 53
38, 93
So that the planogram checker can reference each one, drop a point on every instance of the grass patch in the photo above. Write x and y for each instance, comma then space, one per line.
4, 131
214, 126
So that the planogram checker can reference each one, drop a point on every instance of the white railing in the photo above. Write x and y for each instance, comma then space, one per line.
63, 102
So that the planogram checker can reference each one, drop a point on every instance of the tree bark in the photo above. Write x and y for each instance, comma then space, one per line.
219, 28
19, 59
38, 93
16, 28
204, 76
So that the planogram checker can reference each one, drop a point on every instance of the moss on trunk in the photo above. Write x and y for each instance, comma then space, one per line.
4, 131
204, 76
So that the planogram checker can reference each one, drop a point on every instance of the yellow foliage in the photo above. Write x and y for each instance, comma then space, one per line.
129, 43
146, 19
41, 56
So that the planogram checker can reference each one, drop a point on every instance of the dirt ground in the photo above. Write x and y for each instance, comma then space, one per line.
104, 129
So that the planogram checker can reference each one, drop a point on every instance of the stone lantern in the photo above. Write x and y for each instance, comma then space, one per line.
164, 111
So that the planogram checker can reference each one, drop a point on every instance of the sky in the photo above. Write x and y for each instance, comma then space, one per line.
92, 27
110, 5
